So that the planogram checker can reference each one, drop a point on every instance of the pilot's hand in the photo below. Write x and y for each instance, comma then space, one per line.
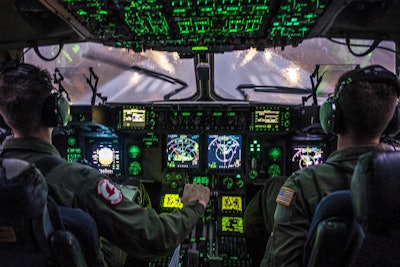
193, 192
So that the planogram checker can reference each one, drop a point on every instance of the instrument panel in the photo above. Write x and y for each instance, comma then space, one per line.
232, 148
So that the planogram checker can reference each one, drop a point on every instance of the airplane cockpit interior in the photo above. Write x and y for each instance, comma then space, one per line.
223, 93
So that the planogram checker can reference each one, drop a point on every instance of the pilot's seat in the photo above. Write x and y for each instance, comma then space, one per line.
360, 226
31, 232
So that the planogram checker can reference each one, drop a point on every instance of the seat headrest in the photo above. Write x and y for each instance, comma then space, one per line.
22, 187
375, 188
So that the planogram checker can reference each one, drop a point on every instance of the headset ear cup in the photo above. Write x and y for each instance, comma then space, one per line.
328, 116
55, 111
63, 110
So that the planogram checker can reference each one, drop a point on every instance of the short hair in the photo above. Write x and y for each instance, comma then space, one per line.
23, 91
367, 107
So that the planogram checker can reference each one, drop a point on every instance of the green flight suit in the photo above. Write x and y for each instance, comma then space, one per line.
303, 191
138, 231
258, 218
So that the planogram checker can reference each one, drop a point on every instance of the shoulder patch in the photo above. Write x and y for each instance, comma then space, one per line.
109, 191
285, 196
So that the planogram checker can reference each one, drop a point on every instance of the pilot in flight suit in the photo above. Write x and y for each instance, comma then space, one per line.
298, 198
361, 110
138, 231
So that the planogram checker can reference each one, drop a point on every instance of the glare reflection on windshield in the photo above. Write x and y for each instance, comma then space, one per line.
292, 68
160, 76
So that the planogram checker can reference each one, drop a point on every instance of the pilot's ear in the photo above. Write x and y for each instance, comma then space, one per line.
3, 123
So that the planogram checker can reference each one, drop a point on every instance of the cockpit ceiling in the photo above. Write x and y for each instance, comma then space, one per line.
194, 26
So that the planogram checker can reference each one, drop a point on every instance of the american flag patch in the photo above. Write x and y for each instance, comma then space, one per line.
285, 196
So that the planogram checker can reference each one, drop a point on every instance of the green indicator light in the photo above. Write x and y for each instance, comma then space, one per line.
253, 174
231, 114
228, 182
135, 168
74, 150
168, 177
76, 48
275, 154
185, 114
201, 180
212, 165
179, 10
240, 184
67, 55
274, 170
71, 141
81, 12
200, 48
134, 151
206, 9
266, 8
232, 8
217, 114
173, 184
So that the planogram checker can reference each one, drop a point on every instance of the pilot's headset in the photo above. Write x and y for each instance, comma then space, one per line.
330, 114
56, 109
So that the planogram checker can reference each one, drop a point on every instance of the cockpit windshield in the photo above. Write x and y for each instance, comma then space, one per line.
92, 72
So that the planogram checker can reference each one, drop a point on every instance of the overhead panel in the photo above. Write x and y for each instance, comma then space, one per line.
192, 25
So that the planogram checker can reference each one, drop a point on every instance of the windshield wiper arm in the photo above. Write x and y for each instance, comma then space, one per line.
164, 78
271, 89
151, 73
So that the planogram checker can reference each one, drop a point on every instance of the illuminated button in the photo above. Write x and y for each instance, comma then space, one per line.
253, 174
174, 184
134, 151
168, 177
228, 182
274, 170
135, 168
71, 141
275, 153
179, 176
240, 184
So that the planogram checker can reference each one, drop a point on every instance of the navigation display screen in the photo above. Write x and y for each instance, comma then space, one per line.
224, 151
183, 151
308, 153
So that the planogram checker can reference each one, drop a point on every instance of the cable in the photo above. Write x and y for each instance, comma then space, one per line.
36, 48
369, 50
362, 45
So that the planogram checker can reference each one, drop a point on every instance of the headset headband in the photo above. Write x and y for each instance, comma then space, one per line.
373, 74
14, 68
